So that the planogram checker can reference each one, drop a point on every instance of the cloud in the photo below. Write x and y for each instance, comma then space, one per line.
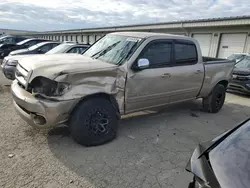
72, 14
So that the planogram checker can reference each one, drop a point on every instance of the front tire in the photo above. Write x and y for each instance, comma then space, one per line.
94, 122
214, 102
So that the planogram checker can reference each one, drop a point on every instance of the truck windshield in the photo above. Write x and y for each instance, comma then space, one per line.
245, 63
113, 49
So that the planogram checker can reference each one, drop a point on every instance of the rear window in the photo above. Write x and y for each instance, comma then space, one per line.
245, 63
185, 53
236, 57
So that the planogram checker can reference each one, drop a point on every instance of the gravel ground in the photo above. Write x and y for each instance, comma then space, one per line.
151, 150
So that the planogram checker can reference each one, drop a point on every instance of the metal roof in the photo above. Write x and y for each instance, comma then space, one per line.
146, 34
209, 22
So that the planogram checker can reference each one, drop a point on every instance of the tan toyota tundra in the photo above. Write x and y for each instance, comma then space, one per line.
121, 73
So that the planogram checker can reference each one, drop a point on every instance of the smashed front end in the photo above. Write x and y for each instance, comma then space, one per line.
47, 102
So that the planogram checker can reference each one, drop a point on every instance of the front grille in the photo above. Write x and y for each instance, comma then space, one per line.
22, 76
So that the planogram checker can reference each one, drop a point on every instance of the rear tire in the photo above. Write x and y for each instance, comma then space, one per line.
214, 102
94, 122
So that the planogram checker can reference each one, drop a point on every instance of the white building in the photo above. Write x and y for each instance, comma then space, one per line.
218, 37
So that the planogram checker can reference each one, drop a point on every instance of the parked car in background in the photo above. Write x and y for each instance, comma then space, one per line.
69, 48
8, 39
40, 48
237, 57
223, 162
10, 62
5, 49
240, 81
121, 73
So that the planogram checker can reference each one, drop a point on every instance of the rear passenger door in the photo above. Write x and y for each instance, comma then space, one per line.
186, 75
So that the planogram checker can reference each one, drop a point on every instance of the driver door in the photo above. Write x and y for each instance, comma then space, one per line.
148, 87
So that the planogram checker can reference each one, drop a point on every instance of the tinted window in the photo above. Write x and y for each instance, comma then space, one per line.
158, 53
230, 159
53, 45
185, 53
31, 43
10, 40
78, 50
45, 48
19, 39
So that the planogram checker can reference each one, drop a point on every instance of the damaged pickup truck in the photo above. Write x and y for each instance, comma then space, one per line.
122, 73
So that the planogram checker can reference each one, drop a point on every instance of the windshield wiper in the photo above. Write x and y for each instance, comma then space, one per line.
104, 51
128, 54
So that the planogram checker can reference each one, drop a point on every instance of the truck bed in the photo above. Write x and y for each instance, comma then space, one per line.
215, 69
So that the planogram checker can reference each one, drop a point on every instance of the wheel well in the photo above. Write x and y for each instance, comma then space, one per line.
224, 83
109, 97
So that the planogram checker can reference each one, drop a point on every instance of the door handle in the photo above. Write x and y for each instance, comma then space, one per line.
198, 71
166, 75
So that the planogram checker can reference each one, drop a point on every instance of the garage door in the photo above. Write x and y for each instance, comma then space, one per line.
79, 38
85, 39
205, 42
74, 38
98, 37
231, 43
91, 39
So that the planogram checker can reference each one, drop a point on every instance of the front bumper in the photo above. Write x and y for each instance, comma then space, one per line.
240, 87
30, 109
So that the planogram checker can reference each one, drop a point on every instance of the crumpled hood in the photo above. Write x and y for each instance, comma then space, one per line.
19, 51
52, 65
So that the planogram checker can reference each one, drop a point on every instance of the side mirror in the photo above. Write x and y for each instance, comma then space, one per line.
142, 63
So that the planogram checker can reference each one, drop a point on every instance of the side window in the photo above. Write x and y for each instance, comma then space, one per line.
19, 39
78, 50
185, 53
53, 45
81, 50
45, 48
30, 43
72, 50
158, 53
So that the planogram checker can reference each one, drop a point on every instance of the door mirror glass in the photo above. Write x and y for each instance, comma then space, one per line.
143, 63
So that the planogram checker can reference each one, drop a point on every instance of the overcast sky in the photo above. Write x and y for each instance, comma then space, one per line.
67, 14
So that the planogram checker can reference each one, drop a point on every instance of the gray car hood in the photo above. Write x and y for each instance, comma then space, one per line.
241, 71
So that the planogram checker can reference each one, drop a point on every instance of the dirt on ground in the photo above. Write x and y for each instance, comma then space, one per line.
151, 150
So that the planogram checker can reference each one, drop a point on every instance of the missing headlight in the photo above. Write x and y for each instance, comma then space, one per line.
51, 88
